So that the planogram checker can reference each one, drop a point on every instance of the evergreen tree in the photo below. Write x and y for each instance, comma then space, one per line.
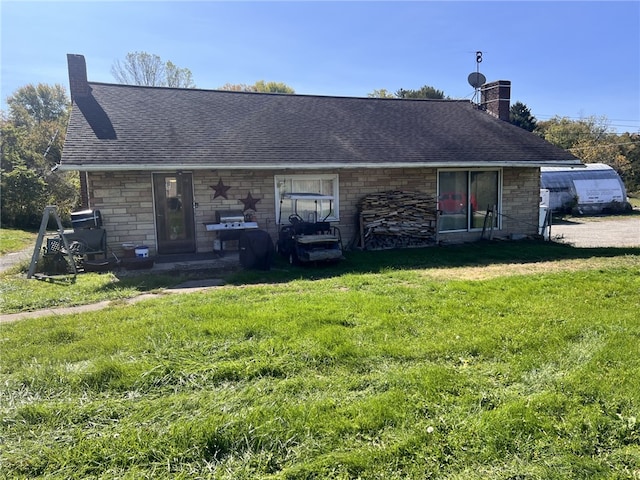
520, 116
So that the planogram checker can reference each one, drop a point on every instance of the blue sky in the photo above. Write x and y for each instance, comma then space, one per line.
573, 59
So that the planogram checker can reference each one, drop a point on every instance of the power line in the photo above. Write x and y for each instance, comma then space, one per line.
602, 145
591, 116
635, 124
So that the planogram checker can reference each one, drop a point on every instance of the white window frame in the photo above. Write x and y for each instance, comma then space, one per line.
470, 228
335, 203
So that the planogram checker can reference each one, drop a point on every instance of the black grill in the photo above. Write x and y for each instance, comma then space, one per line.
86, 219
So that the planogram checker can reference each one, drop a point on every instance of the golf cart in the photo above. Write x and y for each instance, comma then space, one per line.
310, 240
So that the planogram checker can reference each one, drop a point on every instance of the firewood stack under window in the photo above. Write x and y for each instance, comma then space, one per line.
397, 219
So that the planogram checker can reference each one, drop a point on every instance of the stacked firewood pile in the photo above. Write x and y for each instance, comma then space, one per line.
397, 219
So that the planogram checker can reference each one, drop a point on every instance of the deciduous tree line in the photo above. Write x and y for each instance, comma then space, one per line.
590, 139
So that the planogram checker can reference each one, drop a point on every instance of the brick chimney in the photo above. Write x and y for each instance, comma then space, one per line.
78, 84
496, 98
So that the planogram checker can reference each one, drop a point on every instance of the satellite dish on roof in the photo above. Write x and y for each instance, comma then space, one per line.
476, 79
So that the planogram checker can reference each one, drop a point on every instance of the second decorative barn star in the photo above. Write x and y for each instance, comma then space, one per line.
250, 202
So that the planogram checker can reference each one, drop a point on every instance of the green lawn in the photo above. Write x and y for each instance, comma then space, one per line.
17, 294
419, 364
13, 240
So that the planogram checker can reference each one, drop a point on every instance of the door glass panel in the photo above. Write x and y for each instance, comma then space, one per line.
465, 197
175, 225
452, 200
484, 195
175, 213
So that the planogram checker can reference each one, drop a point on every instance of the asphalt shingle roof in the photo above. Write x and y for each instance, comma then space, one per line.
133, 127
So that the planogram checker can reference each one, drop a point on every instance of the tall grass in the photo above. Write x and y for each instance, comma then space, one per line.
392, 374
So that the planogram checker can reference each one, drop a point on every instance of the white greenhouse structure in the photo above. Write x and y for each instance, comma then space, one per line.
594, 188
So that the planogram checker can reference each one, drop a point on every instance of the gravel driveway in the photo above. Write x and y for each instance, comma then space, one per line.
598, 232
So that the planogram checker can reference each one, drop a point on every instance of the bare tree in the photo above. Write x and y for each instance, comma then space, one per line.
178, 77
259, 87
142, 68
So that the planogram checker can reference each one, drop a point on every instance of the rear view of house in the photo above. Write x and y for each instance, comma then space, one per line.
161, 163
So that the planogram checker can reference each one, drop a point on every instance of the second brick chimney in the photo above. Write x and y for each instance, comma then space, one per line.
78, 84
496, 98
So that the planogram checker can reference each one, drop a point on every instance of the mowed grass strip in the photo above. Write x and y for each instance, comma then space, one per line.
362, 375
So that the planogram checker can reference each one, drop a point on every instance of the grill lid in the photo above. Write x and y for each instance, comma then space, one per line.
229, 216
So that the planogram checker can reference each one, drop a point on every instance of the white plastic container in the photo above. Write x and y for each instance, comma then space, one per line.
142, 251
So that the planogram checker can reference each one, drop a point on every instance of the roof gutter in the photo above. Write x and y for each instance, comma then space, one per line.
311, 166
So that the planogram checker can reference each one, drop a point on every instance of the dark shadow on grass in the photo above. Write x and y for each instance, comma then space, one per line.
56, 279
147, 281
467, 255
564, 221
571, 219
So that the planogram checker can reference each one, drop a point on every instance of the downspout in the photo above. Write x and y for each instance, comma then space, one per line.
84, 190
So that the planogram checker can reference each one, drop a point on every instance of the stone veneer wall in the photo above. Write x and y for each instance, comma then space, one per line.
125, 200
520, 201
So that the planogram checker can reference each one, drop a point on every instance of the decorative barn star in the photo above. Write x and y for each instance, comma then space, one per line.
250, 202
220, 189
